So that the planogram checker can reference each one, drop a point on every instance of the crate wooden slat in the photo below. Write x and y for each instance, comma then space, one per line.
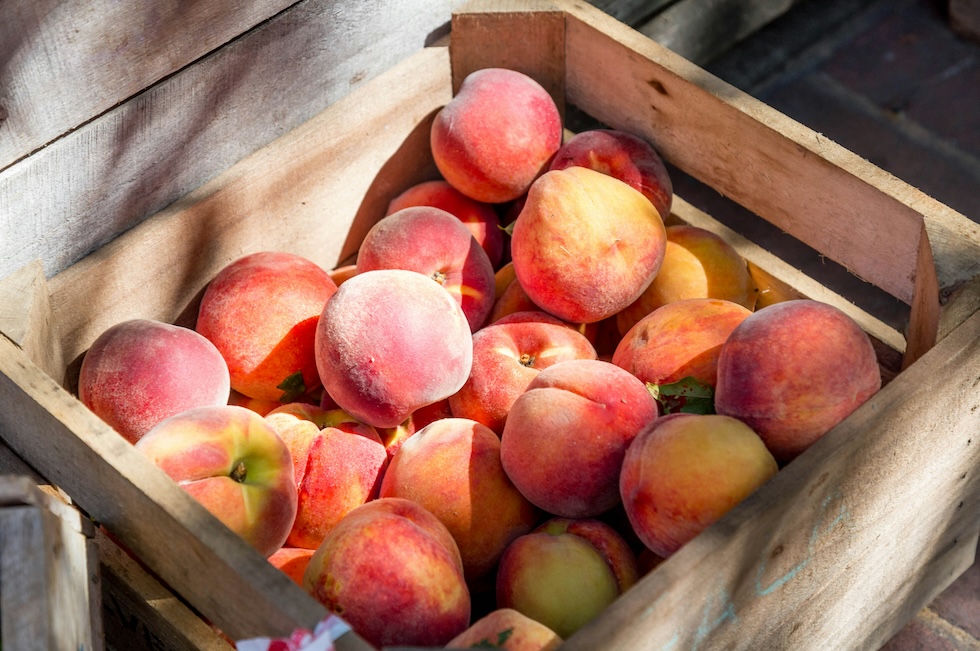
138, 156
97, 54
802, 562
49, 578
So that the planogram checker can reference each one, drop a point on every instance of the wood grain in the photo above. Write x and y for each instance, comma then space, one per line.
535, 43
96, 182
63, 63
49, 596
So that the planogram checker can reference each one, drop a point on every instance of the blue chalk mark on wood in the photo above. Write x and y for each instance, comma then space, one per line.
815, 535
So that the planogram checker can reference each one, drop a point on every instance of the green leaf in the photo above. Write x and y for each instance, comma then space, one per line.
292, 387
502, 638
687, 396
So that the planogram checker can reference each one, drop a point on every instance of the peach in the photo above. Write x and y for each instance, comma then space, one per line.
452, 468
496, 135
390, 342
392, 571
139, 372
338, 463
393, 437
686, 471
505, 628
479, 218
624, 156
502, 278
680, 339
261, 407
793, 370
566, 435
342, 273
261, 312
511, 299
292, 562
697, 264
231, 461
506, 357
586, 245
565, 572
434, 243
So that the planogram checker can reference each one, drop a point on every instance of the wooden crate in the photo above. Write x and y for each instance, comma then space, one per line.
49, 572
839, 550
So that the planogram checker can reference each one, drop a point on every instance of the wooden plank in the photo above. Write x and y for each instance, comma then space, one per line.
25, 317
65, 62
631, 12
333, 177
48, 575
700, 30
859, 528
140, 614
107, 176
537, 48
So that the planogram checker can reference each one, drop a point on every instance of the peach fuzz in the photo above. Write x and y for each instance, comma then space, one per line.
138, 372
390, 342
793, 370
436, 244
697, 264
232, 462
452, 468
261, 312
566, 435
621, 155
586, 245
506, 357
505, 628
496, 135
685, 472
392, 571
338, 463
680, 339
292, 562
479, 218
565, 572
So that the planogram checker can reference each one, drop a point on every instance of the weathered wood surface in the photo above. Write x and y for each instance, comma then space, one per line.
63, 63
49, 578
88, 186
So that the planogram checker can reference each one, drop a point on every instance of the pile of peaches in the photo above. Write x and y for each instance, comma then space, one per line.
525, 393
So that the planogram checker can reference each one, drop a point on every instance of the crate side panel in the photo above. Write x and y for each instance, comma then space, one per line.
314, 192
65, 62
27, 576
863, 525
104, 178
